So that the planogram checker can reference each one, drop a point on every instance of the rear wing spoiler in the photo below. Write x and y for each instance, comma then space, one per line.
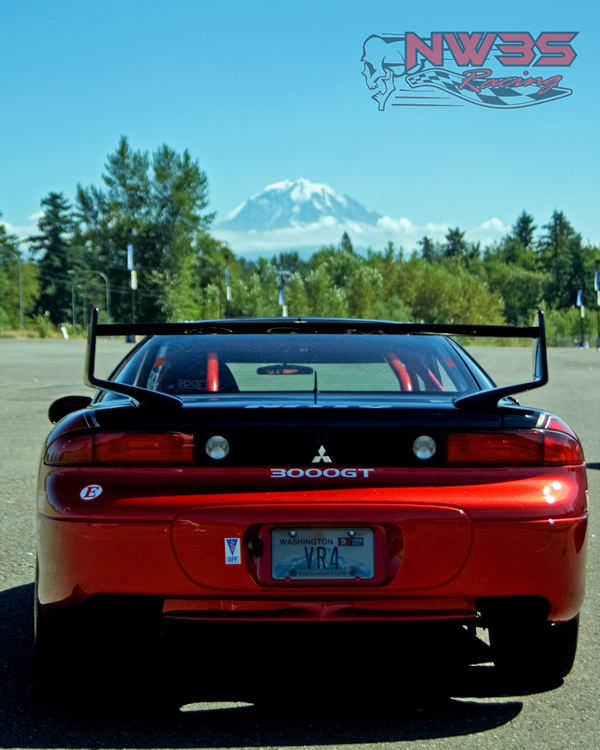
478, 400
141, 395
490, 397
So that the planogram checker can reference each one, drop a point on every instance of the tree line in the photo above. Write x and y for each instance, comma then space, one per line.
157, 206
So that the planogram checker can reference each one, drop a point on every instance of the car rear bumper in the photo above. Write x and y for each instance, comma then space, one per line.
443, 549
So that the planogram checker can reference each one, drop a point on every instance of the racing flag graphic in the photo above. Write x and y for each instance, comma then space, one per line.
467, 88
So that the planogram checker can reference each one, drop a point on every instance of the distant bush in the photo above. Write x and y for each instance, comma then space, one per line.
42, 325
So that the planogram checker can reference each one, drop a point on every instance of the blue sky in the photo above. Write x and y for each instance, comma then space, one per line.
264, 91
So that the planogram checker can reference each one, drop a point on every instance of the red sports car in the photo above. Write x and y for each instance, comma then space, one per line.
238, 476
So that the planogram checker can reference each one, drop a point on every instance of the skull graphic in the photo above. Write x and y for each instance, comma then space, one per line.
383, 61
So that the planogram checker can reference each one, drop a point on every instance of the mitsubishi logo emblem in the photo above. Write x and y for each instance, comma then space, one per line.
321, 456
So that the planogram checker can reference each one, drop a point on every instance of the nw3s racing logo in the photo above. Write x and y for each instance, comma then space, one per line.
414, 69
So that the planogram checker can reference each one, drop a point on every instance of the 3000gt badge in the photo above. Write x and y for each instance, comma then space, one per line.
314, 473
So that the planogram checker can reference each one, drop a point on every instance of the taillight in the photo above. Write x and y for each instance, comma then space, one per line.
516, 448
561, 449
122, 448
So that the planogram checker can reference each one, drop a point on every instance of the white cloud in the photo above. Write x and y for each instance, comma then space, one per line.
396, 225
307, 237
436, 229
494, 224
488, 231
24, 230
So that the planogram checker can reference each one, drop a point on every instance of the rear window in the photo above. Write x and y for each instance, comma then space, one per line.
270, 363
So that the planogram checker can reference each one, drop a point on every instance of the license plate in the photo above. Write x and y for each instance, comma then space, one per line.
322, 554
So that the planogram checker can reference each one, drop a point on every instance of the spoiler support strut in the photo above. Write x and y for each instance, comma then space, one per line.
142, 396
490, 398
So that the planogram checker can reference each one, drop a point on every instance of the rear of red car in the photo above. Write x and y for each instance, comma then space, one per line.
316, 507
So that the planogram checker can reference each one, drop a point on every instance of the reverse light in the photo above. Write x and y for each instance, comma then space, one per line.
217, 447
122, 448
424, 447
516, 448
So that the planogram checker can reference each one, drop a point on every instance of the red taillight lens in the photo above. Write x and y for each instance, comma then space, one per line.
71, 450
122, 448
561, 449
517, 448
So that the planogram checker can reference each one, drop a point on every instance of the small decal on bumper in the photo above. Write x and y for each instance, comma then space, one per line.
232, 552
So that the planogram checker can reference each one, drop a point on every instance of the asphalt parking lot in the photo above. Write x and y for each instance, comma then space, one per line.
472, 713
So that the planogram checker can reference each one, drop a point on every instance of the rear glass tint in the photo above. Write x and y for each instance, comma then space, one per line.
268, 363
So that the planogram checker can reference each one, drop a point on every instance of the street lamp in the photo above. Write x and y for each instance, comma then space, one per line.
597, 290
18, 259
581, 307
132, 277
107, 283
107, 289
72, 275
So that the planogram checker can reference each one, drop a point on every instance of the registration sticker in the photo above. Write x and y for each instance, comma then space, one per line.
232, 552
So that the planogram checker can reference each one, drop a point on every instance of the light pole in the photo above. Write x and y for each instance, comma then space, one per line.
132, 278
107, 283
18, 259
581, 307
72, 275
597, 290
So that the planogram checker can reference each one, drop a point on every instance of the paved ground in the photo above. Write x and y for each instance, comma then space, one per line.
473, 715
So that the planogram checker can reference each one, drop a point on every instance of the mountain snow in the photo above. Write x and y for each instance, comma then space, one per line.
303, 216
295, 204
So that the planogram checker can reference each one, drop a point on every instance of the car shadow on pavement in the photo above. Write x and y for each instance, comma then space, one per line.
327, 707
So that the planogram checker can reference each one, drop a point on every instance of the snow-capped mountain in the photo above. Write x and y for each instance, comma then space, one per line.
294, 204
303, 216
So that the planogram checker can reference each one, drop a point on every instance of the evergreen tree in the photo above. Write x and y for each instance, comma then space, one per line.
127, 182
524, 228
16, 281
428, 249
158, 206
346, 243
53, 249
456, 245
562, 256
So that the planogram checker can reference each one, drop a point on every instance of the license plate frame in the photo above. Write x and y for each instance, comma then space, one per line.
329, 554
